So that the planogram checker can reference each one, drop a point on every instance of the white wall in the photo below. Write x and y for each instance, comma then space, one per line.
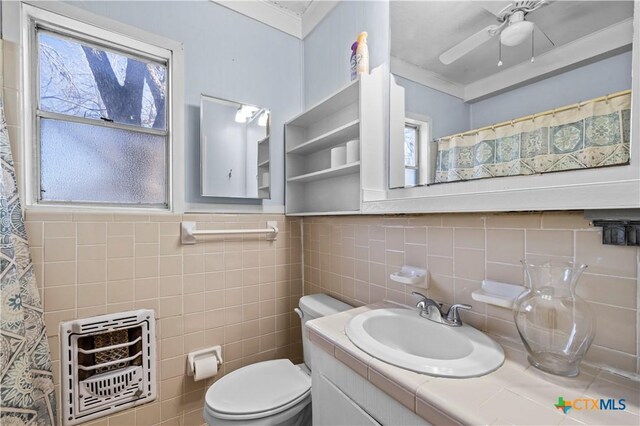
229, 56
449, 114
327, 49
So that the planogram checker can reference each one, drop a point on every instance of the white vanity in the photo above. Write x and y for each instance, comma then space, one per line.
352, 387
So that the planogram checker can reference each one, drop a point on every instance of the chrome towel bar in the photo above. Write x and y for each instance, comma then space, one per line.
188, 232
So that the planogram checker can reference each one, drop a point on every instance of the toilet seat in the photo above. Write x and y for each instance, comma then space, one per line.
258, 390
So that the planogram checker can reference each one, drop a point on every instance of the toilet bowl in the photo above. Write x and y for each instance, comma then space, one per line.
275, 392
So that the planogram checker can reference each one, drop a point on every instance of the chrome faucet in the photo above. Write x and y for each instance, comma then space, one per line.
432, 310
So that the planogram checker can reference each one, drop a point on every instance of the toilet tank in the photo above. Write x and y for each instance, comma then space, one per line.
316, 306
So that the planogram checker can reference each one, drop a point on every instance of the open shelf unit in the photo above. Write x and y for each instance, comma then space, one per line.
347, 169
313, 186
264, 185
337, 213
329, 139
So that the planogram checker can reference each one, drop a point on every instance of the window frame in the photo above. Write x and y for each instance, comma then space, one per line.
424, 151
67, 21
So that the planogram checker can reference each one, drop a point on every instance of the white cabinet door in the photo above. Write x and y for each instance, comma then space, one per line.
332, 407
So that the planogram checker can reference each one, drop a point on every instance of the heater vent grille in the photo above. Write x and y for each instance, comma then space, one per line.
109, 364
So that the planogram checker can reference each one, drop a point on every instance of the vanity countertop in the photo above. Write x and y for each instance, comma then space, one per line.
516, 393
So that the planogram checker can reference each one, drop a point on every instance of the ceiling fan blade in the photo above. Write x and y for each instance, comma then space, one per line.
495, 7
548, 2
543, 33
468, 44
502, 10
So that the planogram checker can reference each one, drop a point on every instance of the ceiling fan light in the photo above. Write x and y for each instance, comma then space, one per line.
516, 33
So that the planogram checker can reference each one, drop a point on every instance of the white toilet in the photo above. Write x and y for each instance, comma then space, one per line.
271, 392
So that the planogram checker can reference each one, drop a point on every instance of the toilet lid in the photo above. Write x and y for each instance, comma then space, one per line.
259, 388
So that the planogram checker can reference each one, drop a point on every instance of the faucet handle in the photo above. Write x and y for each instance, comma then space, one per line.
425, 301
415, 293
422, 303
453, 315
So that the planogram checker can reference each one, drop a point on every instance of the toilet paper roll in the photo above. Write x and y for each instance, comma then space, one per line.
353, 151
205, 368
338, 156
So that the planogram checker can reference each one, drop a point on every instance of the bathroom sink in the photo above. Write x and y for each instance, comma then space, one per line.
405, 339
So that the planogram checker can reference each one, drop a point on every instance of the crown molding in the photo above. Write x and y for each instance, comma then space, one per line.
267, 13
316, 12
279, 18
425, 77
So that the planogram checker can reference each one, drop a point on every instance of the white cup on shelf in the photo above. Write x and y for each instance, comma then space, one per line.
338, 156
353, 151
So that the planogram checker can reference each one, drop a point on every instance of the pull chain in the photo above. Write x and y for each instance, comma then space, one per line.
532, 47
499, 53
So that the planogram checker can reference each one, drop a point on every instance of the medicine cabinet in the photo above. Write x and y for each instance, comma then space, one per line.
234, 149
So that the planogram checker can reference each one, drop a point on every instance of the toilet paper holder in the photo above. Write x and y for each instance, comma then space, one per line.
203, 353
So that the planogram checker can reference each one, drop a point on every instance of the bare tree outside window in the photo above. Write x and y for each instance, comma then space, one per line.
85, 81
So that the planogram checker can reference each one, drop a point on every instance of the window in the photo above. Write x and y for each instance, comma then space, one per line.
411, 154
101, 117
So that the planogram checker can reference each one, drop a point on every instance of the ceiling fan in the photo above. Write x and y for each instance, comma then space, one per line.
512, 29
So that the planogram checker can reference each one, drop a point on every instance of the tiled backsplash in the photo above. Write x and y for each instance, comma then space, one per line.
236, 291
351, 257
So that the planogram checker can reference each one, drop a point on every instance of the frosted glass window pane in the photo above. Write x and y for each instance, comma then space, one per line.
85, 163
85, 81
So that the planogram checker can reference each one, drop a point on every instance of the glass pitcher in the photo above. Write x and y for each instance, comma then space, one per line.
555, 325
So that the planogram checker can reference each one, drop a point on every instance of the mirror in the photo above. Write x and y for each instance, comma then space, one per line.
473, 80
234, 149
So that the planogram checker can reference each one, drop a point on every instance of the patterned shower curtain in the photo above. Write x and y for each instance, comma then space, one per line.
26, 382
594, 134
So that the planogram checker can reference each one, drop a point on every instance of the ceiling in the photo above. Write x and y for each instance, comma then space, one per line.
294, 17
296, 7
422, 30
